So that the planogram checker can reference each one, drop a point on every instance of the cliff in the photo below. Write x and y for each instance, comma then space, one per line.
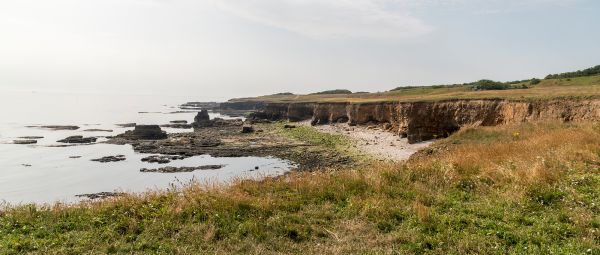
420, 121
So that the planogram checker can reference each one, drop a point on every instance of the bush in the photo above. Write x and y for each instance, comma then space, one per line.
335, 91
586, 72
535, 81
490, 85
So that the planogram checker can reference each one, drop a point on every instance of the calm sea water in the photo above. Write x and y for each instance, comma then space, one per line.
42, 173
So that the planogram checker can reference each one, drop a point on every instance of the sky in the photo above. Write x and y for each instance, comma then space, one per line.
220, 49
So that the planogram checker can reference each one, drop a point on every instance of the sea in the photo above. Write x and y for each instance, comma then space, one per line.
48, 172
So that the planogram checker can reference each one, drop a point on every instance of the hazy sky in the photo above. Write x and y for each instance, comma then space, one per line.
230, 48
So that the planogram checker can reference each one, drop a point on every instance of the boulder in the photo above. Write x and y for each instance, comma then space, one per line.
202, 119
78, 139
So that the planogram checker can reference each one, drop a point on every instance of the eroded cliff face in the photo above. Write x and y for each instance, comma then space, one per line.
420, 121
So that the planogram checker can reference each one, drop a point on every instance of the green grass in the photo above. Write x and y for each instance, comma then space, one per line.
539, 194
314, 137
581, 87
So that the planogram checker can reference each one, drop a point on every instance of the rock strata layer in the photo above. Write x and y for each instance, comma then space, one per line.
421, 121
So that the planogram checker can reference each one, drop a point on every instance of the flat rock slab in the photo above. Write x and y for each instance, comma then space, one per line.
145, 132
127, 125
108, 159
171, 169
25, 141
56, 127
98, 130
78, 139
31, 137
181, 126
162, 159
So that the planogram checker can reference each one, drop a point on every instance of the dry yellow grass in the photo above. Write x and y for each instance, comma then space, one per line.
588, 87
483, 190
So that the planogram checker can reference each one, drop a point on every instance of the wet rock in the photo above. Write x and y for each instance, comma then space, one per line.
127, 125
25, 141
56, 127
181, 126
162, 159
31, 137
108, 159
74, 157
179, 121
26, 165
171, 169
78, 139
101, 195
98, 130
145, 132
247, 129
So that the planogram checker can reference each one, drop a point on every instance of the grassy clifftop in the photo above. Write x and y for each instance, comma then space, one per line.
525, 189
588, 86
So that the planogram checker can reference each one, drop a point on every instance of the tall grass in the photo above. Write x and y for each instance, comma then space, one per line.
535, 193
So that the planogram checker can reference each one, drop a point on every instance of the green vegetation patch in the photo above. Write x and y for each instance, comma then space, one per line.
335, 91
581, 73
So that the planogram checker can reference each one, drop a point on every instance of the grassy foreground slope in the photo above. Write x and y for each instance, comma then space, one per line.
586, 87
525, 189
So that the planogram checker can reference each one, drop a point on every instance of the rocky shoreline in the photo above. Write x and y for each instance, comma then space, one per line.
228, 138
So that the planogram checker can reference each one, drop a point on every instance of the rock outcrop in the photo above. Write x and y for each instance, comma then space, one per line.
202, 119
420, 121
145, 132
78, 139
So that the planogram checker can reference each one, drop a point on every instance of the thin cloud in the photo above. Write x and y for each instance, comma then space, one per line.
329, 18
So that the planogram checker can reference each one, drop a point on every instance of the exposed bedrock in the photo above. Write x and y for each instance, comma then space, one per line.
145, 132
420, 121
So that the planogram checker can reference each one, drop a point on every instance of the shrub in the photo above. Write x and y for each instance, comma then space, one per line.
586, 72
490, 85
535, 81
335, 91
